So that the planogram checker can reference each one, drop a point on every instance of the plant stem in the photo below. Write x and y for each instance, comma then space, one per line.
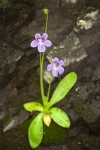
48, 94
41, 76
46, 27
50, 83
41, 65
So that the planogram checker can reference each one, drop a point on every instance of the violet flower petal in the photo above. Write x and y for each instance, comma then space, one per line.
56, 60
37, 36
34, 43
60, 70
55, 73
41, 48
49, 67
44, 36
61, 62
48, 43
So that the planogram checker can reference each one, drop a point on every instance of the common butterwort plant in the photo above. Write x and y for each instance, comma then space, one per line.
46, 110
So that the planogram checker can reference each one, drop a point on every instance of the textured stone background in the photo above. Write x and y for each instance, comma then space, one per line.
74, 29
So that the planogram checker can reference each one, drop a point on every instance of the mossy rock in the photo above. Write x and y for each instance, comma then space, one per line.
4, 2
52, 135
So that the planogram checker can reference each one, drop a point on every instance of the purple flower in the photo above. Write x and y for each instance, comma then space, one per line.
41, 42
56, 67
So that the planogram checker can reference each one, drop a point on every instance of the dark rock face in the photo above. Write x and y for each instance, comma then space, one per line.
74, 29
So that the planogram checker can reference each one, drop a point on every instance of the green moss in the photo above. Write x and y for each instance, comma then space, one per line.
24, 126
54, 134
15, 138
3, 2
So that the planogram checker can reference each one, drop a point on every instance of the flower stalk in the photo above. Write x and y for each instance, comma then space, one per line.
42, 59
46, 27
41, 77
48, 94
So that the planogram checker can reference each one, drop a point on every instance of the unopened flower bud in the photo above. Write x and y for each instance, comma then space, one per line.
47, 119
45, 10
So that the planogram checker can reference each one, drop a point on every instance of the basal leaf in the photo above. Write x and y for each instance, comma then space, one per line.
35, 131
31, 106
63, 88
60, 117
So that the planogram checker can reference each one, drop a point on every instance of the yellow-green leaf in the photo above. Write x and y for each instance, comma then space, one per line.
63, 88
31, 106
35, 131
60, 117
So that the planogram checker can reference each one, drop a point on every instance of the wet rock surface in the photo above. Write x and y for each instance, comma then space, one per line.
74, 29
70, 50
